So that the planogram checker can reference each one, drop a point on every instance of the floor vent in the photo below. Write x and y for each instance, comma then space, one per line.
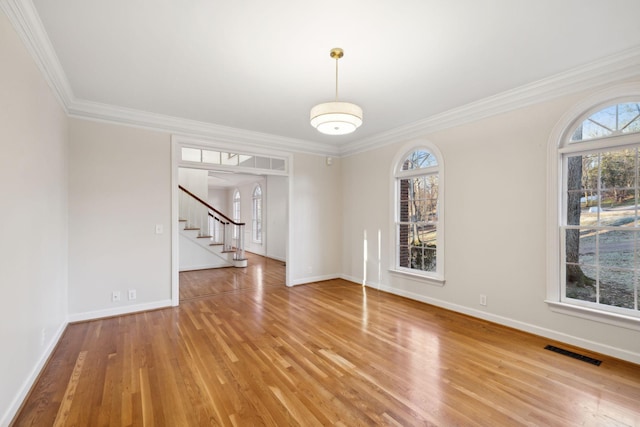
574, 355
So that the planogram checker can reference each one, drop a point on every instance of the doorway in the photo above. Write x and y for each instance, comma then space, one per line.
229, 171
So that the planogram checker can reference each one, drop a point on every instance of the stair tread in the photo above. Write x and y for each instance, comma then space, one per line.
204, 237
188, 229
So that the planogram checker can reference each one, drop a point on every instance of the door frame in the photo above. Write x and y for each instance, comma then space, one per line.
177, 142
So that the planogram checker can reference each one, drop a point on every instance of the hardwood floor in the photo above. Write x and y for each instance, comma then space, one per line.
329, 353
260, 272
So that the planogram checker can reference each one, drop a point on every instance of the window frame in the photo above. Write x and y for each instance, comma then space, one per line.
436, 277
560, 147
236, 206
256, 221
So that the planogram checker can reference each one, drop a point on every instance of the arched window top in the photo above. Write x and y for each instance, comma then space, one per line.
616, 119
236, 195
419, 159
257, 192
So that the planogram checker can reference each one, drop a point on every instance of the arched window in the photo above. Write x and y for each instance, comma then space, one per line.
418, 221
236, 211
599, 229
256, 228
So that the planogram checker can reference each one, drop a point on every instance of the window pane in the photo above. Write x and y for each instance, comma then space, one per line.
423, 257
212, 157
247, 161
277, 164
263, 162
613, 120
229, 159
629, 117
581, 272
575, 194
419, 159
617, 169
617, 288
190, 154
616, 249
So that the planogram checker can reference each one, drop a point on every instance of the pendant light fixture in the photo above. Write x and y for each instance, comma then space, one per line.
336, 118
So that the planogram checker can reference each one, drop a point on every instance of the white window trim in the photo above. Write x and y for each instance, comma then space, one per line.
556, 147
254, 219
233, 212
436, 278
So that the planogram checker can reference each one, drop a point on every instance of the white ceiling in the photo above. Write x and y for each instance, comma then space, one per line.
261, 65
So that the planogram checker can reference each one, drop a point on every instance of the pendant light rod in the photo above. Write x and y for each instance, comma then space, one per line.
336, 53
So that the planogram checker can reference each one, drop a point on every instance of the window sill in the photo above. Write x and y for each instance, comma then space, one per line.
422, 278
615, 319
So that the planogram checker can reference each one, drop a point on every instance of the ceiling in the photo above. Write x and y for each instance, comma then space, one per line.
260, 66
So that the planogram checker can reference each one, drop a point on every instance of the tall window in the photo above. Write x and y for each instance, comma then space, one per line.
418, 202
257, 215
600, 224
236, 211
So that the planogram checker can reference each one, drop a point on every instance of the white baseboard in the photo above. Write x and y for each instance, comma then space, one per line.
351, 279
277, 258
118, 311
516, 324
13, 409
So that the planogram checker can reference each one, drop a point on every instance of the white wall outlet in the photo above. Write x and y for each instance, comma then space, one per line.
43, 336
132, 294
483, 299
159, 229
115, 296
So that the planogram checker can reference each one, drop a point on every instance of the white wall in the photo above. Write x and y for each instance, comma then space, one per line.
316, 217
218, 198
33, 221
495, 211
119, 190
276, 212
194, 180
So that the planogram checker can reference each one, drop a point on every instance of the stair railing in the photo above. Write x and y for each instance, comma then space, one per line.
211, 223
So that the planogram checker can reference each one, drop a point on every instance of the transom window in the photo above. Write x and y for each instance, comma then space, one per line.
600, 227
614, 120
257, 215
418, 195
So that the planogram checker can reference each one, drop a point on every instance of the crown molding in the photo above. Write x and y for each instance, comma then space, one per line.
614, 68
25, 20
191, 128
24, 17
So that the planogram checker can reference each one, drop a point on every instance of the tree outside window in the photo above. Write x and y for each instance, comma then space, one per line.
601, 248
417, 222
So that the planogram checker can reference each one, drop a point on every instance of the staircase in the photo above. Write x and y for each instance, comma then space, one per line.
208, 238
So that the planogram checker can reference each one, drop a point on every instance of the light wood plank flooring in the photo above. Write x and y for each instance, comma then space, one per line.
261, 272
329, 353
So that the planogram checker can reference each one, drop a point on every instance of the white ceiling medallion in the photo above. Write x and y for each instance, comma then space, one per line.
336, 118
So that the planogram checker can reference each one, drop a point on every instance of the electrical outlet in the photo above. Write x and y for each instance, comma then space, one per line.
43, 336
132, 294
483, 299
159, 229
115, 296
